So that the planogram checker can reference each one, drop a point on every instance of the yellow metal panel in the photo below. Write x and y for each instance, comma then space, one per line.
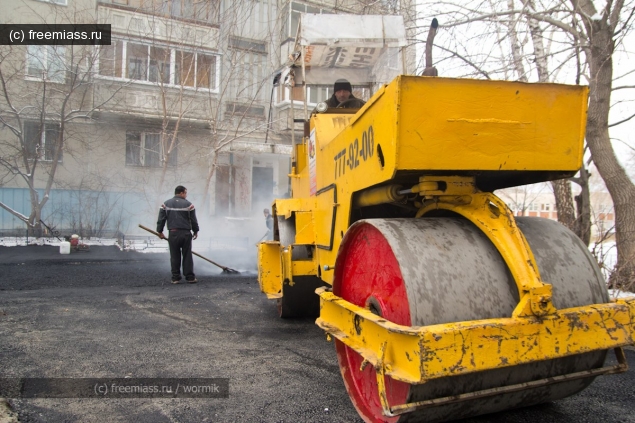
286, 207
301, 157
418, 354
348, 160
270, 269
287, 266
299, 172
304, 230
328, 126
323, 216
367, 333
304, 268
463, 124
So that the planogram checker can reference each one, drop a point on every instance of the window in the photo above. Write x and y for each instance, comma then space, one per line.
317, 93
205, 71
110, 59
61, 2
137, 65
159, 65
237, 109
545, 207
147, 149
154, 63
390, 6
292, 18
41, 140
248, 71
46, 62
184, 69
251, 45
205, 11
183, 9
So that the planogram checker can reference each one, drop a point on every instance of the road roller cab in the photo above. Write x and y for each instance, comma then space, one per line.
442, 304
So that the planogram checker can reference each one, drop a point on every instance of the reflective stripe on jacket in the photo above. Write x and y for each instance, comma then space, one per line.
179, 214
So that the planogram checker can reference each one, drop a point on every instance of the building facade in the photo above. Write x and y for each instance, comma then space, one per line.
183, 95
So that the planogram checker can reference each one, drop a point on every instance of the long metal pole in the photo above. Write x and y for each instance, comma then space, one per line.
292, 119
304, 83
225, 268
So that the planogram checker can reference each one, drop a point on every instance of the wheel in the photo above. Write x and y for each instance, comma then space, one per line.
418, 272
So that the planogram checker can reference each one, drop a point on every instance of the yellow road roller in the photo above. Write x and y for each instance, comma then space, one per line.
442, 304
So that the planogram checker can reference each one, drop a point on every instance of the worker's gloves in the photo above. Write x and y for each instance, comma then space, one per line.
195, 236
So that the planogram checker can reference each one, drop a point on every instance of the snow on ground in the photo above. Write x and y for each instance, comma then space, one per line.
237, 255
141, 245
619, 294
606, 255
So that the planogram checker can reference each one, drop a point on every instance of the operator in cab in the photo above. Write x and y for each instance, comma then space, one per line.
343, 96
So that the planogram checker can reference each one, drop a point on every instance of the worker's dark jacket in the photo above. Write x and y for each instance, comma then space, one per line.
179, 214
353, 102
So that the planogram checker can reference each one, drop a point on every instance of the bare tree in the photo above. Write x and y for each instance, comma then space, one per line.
523, 199
44, 91
209, 90
583, 41
601, 41
579, 222
239, 109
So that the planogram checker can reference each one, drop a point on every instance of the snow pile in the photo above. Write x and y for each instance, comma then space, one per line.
619, 294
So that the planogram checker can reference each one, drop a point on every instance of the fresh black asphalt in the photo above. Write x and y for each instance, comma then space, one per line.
108, 313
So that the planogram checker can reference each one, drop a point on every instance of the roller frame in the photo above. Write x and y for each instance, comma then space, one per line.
492, 216
418, 354
536, 331
409, 354
276, 266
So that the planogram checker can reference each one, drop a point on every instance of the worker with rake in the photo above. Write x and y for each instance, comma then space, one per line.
181, 219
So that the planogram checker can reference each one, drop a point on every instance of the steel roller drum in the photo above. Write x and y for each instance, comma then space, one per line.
419, 272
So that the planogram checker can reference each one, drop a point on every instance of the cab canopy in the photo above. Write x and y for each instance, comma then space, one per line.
364, 49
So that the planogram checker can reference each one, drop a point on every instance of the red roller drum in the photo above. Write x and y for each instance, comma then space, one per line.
418, 272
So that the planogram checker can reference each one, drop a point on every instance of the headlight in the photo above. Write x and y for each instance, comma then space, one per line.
321, 107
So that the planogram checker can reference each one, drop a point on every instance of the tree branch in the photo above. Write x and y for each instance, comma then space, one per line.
20, 216
467, 61
622, 121
533, 15
615, 13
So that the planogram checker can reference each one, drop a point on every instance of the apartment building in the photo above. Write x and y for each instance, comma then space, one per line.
184, 94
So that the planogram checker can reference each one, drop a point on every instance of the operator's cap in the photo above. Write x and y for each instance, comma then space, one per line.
342, 84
